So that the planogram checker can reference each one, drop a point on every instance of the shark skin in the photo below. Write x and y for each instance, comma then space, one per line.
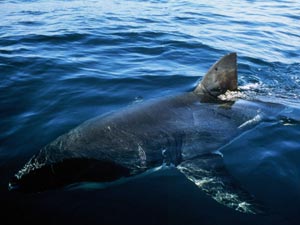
185, 130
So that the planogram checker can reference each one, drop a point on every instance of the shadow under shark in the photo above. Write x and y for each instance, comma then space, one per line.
186, 131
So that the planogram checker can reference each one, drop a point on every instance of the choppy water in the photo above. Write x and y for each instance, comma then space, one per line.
62, 62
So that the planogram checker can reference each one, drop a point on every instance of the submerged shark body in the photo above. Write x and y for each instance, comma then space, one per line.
186, 131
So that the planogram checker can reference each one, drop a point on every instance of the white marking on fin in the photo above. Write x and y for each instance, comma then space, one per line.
254, 120
217, 152
142, 156
210, 175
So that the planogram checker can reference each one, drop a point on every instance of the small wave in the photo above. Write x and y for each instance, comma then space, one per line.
32, 12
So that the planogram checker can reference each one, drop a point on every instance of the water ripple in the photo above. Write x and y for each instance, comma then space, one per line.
62, 62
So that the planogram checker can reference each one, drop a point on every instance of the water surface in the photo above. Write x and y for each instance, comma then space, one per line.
63, 62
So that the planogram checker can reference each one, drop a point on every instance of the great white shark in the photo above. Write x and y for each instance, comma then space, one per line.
186, 130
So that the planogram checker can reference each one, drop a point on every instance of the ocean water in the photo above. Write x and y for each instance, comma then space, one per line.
63, 62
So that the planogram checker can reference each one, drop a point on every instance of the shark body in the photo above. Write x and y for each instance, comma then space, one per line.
185, 130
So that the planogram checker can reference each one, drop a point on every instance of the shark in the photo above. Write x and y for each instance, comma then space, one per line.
185, 130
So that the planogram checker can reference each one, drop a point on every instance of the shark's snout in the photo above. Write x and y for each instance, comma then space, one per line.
65, 172
14, 184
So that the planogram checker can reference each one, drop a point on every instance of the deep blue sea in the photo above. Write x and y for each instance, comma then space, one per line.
63, 62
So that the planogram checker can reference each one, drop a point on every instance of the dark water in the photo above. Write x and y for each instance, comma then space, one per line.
62, 62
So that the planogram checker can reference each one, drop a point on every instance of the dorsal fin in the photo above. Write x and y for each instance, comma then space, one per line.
222, 76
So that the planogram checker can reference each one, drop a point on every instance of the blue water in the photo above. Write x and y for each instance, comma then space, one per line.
63, 62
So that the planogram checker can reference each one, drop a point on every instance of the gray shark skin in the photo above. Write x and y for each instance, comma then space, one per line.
185, 130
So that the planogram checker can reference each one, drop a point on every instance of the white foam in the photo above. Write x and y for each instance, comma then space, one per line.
250, 86
231, 96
